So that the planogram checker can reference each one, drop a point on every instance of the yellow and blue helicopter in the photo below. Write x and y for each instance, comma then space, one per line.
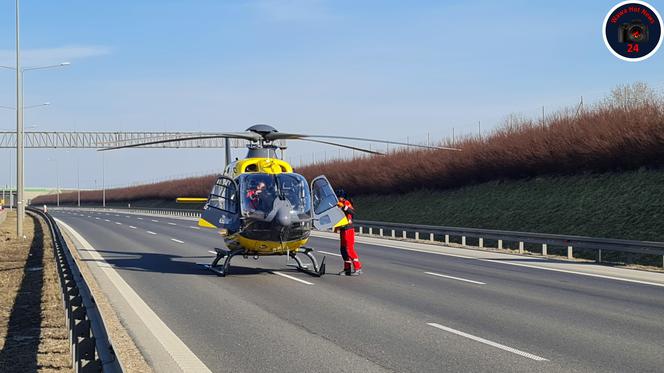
262, 207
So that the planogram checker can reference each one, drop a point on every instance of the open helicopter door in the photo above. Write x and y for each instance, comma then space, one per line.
326, 213
222, 209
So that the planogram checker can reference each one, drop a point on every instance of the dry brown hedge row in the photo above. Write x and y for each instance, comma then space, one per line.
615, 135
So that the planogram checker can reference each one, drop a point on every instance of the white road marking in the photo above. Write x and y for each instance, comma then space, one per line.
181, 354
192, 227
507, 262
178, 241
328, 253
97, 218
172, 224
107, 220
212, 252
150, 232
574, 272
291, 277
139, 218
156, 221
132, 227
118, 223
117, 216
89, 216
487, 342
455, 278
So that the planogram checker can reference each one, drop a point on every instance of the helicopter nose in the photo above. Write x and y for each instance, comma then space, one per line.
284, 216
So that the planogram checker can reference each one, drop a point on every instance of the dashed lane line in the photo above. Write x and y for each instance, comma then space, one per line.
329, 253
176, 240
291, 277
150, 232
488, 342
455, 278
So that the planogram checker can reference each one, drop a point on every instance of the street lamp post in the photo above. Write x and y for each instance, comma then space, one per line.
20, 197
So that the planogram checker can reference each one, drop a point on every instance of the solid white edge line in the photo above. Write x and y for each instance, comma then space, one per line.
175, 240
488, 342
179, 352
291, 277
150, 232
328, 253
455, 278
574, 272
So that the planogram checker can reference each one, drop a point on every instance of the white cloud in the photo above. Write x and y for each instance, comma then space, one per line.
46, 56
293, 10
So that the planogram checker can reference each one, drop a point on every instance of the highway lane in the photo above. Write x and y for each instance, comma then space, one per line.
387, 319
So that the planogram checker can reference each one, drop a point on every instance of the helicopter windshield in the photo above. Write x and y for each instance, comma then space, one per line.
293, 187
258, 192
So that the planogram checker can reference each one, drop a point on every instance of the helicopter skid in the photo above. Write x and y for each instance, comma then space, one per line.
315, 270
223, 269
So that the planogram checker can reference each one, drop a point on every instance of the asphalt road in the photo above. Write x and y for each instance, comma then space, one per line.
410, 311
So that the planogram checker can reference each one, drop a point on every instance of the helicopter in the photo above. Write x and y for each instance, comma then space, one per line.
262, 207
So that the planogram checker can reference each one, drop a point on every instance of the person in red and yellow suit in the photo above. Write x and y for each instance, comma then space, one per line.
347, 236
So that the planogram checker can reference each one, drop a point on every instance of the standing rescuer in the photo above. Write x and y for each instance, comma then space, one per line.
347, 236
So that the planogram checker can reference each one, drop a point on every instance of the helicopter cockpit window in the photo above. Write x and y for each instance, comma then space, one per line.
258, 192
223, 196
294, 188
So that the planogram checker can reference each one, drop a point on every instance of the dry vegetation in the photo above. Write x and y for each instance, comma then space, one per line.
33, 335
623, 132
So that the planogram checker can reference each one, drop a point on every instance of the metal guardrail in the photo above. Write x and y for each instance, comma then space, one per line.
91, 349
444, 234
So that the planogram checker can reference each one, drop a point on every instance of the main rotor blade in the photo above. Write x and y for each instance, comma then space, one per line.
343, 146
295, 136
233, 135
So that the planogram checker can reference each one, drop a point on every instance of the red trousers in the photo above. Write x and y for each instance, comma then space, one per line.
348, 250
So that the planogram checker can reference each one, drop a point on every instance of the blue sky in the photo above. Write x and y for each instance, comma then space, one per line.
392, 69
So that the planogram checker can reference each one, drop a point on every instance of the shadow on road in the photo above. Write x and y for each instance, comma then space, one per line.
167, 263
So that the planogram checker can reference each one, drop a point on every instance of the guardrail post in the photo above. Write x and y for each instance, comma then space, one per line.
360, 230
481, 243
463, 240
521, 247
447, 239
404, 234
500, 244
417, 236
431, 238
380, 232
544, 249
393, 233
570, 254
370, 231
599, 255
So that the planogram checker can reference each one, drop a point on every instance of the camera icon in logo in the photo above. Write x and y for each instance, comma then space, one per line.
633, 32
